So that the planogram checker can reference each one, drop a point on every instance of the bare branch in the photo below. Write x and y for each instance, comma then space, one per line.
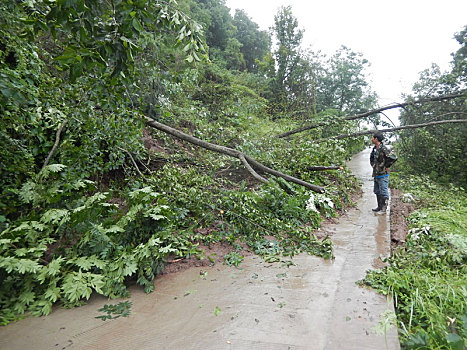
251, 170
230, 152
57, 141
134, 163
414, 126
375, 111
322, 168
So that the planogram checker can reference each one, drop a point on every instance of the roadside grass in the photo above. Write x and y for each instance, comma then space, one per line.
428, 276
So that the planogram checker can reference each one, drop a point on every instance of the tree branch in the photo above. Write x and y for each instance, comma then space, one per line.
374, 111
322, 168
414, 126
251, 170
233, 153
57, 141
132, 159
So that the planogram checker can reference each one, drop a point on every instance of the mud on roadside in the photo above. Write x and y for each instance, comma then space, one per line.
399, 213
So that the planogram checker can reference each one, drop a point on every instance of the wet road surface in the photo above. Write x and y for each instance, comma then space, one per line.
312, 305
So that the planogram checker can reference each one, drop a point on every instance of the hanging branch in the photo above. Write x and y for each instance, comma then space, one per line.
374, 111
414, 126
246, 160
57, 141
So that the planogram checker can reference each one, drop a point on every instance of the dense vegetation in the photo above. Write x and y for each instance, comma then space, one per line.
91, 197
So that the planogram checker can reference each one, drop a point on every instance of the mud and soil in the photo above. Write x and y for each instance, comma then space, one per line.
400, 211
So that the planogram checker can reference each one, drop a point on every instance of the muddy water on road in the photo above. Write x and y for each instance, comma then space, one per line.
312, 305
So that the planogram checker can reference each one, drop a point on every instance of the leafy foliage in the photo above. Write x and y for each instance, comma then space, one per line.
115, 311
84, 244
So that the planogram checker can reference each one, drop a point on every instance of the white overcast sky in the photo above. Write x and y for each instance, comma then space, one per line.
400, 38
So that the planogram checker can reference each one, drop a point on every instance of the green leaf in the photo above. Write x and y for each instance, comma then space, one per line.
52, 293
167, 249
455, 341
44, 308
27, 192
157, 217
217, 311
21, 266
130, 268
84, 263
137, 25
97, 282
38, 226
114, 229
27, 297
5, 243
75, 287
55, 215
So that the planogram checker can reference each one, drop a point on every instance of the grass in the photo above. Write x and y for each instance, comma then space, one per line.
428, 276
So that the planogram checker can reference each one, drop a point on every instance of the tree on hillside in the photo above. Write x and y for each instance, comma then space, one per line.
219, 26
422, 149
344, 87
255, 43
458, 74
74, 63
220, 31
287, 58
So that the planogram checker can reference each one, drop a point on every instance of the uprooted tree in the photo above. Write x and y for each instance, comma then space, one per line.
250, 163
379, 110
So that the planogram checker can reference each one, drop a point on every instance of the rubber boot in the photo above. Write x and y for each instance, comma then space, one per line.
384, 205
378, 199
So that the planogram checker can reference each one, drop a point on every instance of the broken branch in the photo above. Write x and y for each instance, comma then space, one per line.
246, 160
321, 168
374, 111
132, 160
57, 141
414, 126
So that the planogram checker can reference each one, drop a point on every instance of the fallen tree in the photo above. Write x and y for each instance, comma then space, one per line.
250, 163
414, 126
375, 111
247, 161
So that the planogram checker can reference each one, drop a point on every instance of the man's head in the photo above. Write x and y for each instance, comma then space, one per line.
378, 136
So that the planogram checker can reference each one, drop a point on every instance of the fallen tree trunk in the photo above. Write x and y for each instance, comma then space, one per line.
245, 159
414, 126
374, 111
321, 168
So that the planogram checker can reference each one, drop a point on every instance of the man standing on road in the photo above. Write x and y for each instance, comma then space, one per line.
381, 158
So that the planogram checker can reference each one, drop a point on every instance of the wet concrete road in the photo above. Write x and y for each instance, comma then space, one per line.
312, 305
